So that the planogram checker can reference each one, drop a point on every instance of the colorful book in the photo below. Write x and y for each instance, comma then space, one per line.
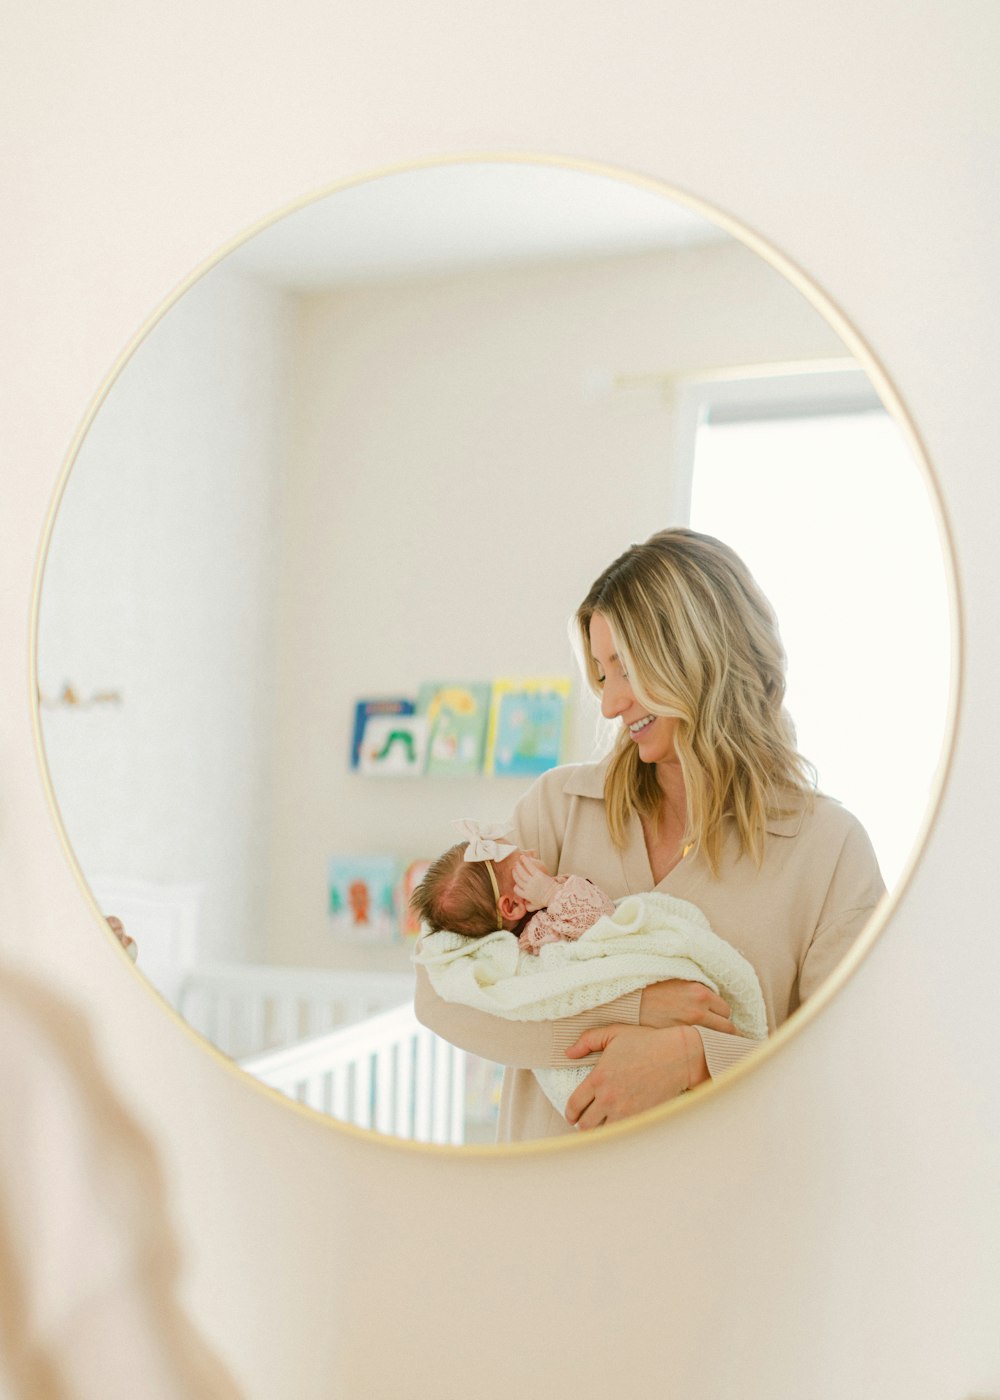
457, 715
527, 731
409, 924
362, 897
364, 710
394, 746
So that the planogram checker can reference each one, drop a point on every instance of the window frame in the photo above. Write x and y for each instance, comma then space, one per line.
748, 393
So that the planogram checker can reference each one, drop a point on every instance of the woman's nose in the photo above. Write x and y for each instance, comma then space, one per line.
615, 698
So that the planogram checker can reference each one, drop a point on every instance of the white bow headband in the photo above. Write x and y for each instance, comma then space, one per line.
485, 845
485, 842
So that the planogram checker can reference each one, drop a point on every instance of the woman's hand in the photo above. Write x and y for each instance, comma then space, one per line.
680, 1003
639, 1069
533, 883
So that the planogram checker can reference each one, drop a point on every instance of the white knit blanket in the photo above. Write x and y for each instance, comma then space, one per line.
649, 938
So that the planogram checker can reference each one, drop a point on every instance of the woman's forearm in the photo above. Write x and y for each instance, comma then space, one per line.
520, 1044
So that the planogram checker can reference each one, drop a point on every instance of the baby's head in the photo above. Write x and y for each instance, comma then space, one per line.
458, 894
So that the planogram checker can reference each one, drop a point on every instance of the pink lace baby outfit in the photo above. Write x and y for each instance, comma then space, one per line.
575, 906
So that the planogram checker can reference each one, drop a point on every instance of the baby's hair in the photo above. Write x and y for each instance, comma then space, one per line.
456, 894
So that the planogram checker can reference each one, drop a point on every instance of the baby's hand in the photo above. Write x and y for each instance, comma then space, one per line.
118, 929
533, 883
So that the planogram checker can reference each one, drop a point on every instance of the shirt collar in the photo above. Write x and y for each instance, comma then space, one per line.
587, 780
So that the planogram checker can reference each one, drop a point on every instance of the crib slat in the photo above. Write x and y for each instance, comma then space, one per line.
457, 1079
362, 1106
423, 1086
339, 1091
387, 1071
402, 1123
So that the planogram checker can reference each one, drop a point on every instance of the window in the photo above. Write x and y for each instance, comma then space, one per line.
813, 484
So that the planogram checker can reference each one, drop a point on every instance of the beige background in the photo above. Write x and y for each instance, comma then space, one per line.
826, 1227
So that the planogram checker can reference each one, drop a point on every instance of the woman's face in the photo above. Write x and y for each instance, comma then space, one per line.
653, 735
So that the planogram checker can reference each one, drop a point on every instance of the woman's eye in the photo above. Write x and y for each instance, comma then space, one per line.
599, 680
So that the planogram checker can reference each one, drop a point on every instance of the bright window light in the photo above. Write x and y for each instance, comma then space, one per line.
834, 519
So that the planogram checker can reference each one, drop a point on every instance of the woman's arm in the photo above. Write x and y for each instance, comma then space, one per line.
521, 1044
855, 891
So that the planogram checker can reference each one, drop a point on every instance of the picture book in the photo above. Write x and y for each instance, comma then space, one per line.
409, 925
527, 725
364, 710
393, 746
457, 715
362, 903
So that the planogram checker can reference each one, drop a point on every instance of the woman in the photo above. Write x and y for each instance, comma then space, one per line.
704, 797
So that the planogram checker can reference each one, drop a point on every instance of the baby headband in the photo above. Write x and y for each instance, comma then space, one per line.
485, 842
485, 845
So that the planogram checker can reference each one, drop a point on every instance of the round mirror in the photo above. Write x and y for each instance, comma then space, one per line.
315, 558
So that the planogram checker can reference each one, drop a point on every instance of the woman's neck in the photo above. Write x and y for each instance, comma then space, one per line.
664, 839
670, 777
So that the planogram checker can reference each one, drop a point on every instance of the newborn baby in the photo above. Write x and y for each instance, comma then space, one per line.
485, 884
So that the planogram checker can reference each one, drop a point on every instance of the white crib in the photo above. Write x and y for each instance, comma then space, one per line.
347, 1044
344, 1042
246, 1009
387, 1072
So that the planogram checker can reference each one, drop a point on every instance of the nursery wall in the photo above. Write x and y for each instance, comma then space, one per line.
161, 590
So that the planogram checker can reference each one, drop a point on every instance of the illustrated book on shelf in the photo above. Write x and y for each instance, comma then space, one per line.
456, 715
527, 727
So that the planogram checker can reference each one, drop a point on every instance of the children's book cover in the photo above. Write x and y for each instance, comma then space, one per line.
364, 710
409, 924
362, 903
394, 746
457, 716
527, 725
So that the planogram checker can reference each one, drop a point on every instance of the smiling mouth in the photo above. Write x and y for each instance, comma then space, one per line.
640, 725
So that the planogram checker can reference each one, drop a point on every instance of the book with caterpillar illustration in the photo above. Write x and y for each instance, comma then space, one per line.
388, 739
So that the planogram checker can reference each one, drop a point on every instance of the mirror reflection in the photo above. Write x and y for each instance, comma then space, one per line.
379, 454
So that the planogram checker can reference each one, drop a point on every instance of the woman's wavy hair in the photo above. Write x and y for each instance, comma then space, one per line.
699, 642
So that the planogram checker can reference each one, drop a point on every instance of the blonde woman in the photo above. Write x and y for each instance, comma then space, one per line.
704, 797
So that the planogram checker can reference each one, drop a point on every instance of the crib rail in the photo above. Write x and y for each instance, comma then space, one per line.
387, 1072
247, 1010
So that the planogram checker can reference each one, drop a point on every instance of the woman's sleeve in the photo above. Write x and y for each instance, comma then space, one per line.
723, 1050
854, 892
521, 1044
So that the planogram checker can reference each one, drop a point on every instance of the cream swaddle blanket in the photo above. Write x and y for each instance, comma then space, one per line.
649, 938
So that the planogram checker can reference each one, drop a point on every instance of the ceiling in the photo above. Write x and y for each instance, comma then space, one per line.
462, 216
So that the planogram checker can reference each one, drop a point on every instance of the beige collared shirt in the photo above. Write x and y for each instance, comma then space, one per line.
793, 918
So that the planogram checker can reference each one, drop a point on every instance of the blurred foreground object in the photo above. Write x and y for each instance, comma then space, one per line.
88, 1265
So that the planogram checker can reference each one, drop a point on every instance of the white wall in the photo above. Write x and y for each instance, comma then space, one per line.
463, 469
826, 1226
161, 586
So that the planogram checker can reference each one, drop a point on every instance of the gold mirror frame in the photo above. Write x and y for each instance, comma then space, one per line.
893, 404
